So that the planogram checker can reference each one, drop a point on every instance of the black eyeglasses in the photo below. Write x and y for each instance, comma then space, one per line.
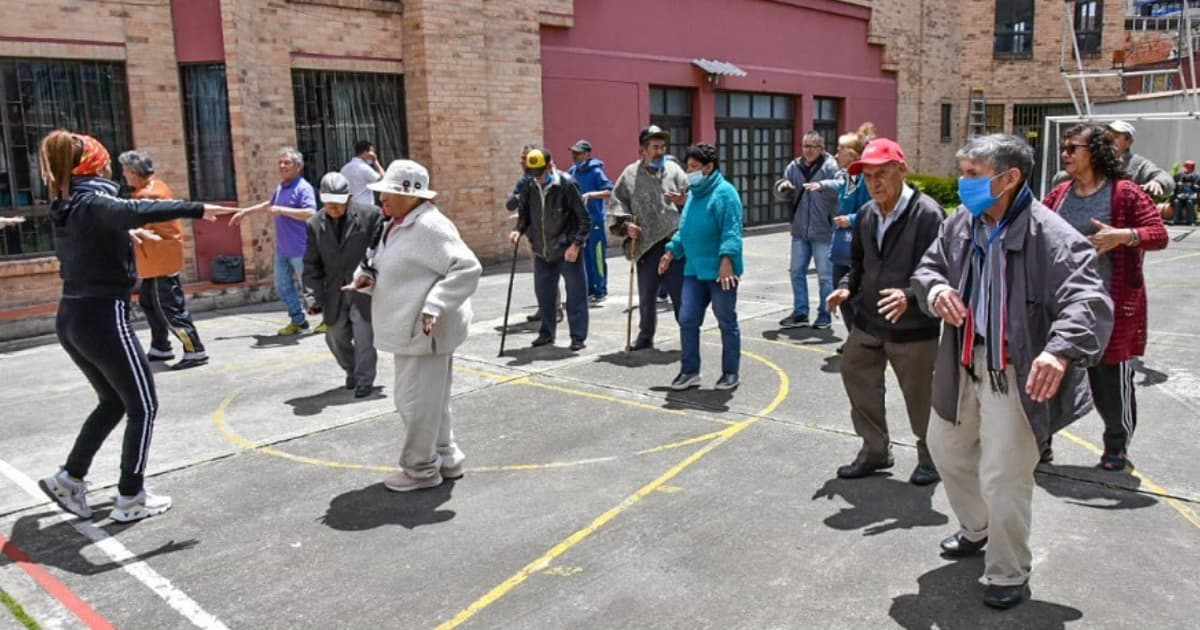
813, 146
1070, 149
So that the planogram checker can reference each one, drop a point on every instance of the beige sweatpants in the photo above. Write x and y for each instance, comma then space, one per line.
423, 400
987, 462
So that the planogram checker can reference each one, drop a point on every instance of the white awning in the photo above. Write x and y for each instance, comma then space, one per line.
720, 68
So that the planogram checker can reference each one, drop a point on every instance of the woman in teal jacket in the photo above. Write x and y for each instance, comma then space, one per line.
709, 241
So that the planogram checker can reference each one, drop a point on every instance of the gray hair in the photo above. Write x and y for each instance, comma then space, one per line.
138, 162
292, 154
1001, 152
813, 134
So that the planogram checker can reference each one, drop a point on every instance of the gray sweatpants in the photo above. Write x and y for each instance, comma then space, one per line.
423, 401
352, 341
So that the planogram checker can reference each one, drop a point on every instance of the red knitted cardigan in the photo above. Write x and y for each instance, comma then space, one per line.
1131, 208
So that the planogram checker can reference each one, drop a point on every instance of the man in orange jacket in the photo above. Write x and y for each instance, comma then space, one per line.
158, 252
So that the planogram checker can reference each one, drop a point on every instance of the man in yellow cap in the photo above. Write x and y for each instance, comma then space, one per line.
551, 214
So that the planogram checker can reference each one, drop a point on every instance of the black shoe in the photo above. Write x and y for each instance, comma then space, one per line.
795, 320
350, 383
1005, 597
535, 316
362, 391
154, 354
576, 346
542, 341
858, 469
957, 546
189, 363
924, 475
642, 344
1047, 456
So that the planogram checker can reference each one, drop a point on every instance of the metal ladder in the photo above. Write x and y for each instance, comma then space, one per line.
977, 114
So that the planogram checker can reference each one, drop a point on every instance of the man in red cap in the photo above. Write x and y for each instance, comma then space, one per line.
892, 233
1187, 184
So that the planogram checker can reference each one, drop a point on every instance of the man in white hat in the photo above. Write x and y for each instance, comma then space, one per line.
1147, 174
421, 275
338, 237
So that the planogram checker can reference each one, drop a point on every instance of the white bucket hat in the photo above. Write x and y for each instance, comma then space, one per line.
405, 177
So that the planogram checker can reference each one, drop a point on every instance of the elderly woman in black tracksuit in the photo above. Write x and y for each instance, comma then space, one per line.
92, 240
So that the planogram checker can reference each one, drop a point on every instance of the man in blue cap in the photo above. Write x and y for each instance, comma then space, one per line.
593, 183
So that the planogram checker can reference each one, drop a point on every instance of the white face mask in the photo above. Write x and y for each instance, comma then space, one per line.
695, 178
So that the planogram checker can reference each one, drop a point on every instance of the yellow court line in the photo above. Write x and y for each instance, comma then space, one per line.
1184, 510
505, 587
613, 399
688, 442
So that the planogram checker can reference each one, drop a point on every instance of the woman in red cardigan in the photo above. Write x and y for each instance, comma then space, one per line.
1121, 221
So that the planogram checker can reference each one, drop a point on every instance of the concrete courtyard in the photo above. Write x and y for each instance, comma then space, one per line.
593, 498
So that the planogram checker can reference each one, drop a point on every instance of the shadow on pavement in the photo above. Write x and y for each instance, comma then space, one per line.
696, 398
640, 358
268, 341
336, 397
950, 597
832, 364
529, 355
1150, 376
61, 545
1094, 487
881, 504
376, 506
812, 336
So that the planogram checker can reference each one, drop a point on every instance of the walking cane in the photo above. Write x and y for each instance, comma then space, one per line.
629, 309
512, 273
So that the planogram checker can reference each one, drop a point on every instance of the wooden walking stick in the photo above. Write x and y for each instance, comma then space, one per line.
629, 309
512, 273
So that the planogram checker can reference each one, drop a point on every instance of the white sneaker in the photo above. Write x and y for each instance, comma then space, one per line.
69, 493
136, 508
401, 481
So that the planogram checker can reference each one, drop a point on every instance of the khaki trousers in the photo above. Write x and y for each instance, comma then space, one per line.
864, 360
423, 400
987, 462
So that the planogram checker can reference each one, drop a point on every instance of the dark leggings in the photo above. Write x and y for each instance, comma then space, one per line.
96, 335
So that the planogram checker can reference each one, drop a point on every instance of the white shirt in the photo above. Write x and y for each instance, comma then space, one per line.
906, 195
359, 174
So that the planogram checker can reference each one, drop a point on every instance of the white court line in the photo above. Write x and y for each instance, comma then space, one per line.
151, 579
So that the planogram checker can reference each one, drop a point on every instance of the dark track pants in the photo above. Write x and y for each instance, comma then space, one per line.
95, 333
161, 300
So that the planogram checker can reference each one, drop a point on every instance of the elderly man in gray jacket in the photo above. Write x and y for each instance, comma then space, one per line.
1027, 312
813, 208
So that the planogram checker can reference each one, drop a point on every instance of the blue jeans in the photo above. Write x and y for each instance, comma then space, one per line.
802, 252
697, 295
847, 308
288, 272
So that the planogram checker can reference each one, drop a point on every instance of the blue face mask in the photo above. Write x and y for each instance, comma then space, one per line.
656, 165
976, 194
695, 178
549, 177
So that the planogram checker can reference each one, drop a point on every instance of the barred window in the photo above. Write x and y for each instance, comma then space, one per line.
206, 130
1089, 25
334, 110
38, 96
671, 109
825, 120
1014, 29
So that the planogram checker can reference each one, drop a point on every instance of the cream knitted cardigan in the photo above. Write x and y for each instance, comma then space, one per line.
421, 265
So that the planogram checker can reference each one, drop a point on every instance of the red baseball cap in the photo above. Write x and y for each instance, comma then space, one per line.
878, 152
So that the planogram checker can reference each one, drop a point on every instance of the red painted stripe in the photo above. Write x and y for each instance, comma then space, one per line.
77, 606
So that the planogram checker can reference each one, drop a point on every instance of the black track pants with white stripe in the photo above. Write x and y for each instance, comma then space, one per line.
1112, 391
95, 333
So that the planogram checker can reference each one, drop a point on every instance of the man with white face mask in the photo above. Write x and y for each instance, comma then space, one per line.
1026, 312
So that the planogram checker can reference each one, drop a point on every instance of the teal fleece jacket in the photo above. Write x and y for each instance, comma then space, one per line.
711, 227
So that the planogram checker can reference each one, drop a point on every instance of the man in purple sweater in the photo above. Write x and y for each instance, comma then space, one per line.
292, 204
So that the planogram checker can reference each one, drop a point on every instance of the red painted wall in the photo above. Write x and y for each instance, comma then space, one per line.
597, 75
198, 36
